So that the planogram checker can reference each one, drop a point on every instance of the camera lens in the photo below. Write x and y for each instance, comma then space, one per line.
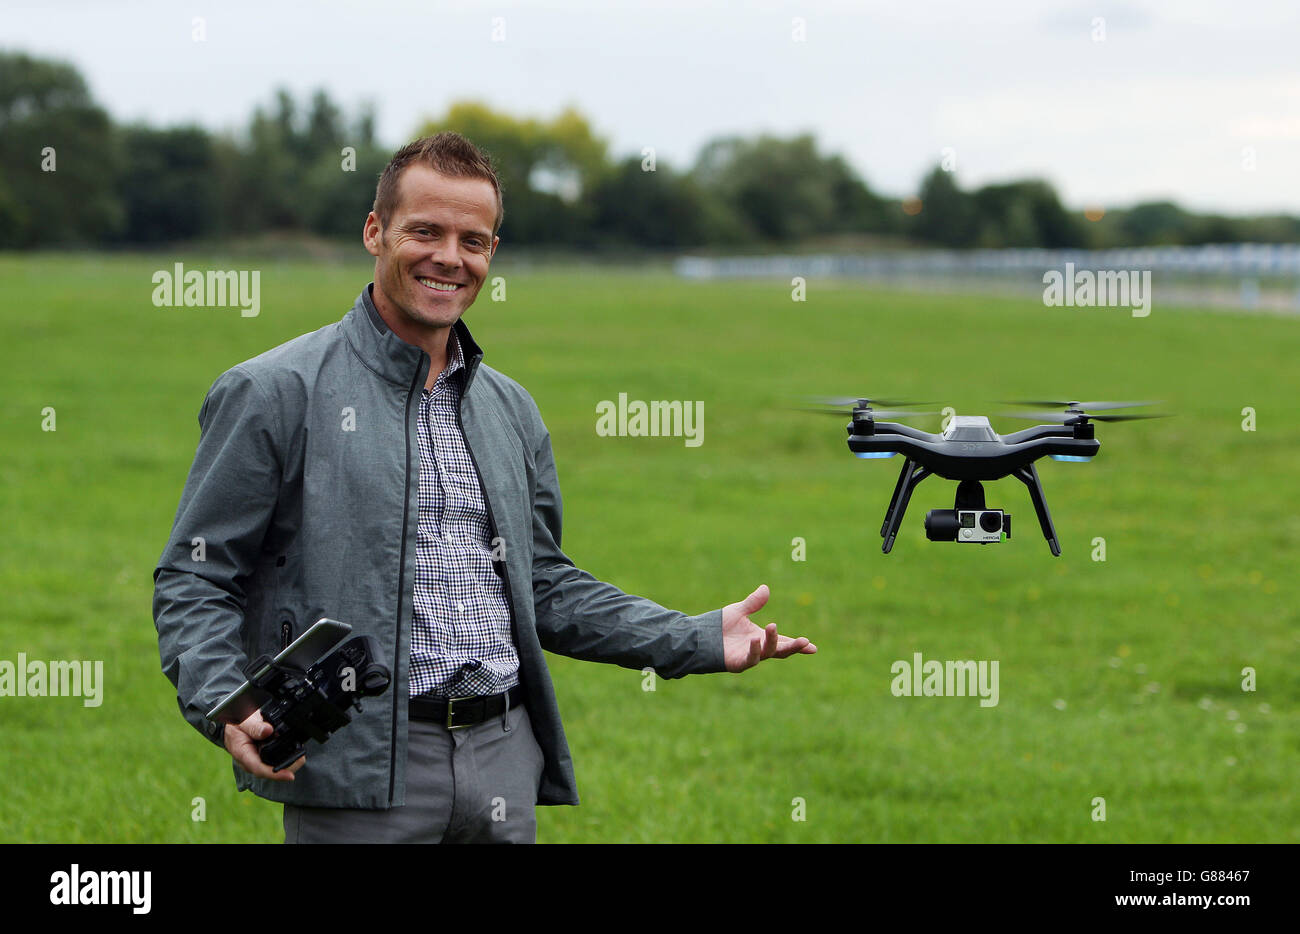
991, 521
941, 525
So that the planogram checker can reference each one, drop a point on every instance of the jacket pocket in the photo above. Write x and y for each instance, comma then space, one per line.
287, 622
272, 615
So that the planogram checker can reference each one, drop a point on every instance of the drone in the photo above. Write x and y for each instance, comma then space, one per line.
969, 451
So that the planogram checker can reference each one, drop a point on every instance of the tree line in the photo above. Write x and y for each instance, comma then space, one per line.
71, 176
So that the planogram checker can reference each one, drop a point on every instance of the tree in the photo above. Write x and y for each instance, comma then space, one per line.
1155, 222
785, 190
167, 184
546, 168
287, 170
663, 208
1026, 214
949, 216
858, 209
49, 121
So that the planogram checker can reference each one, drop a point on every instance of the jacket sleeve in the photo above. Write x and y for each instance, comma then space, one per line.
225, 508
589, 619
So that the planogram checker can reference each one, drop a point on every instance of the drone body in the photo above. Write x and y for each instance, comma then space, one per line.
970, 452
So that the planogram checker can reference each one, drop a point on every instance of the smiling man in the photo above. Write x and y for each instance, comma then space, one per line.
432, 249
377, 472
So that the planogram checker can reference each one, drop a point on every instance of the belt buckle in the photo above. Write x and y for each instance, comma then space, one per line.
451, 702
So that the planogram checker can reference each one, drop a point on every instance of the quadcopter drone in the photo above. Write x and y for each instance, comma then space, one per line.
970, 452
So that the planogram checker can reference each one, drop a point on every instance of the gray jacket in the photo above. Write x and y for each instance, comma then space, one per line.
302, 502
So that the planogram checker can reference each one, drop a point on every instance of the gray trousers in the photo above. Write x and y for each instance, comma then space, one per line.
472, 785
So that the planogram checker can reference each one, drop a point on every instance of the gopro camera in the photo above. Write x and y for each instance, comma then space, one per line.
982, 526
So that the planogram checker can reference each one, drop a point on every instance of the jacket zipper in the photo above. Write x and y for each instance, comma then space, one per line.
401, 576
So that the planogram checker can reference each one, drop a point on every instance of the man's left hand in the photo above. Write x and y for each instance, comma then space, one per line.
745, 644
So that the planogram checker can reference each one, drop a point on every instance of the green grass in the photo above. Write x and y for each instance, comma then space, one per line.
1119, 679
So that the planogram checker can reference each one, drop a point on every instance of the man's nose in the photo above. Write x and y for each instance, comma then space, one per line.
446, 252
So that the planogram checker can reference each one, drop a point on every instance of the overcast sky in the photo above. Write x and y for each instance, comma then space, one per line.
1193, 100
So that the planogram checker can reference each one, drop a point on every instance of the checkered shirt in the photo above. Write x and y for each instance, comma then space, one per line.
461, 641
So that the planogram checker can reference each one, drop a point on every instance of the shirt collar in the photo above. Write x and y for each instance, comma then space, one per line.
455, 362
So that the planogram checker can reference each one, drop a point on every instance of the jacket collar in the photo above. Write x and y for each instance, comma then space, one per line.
390, 356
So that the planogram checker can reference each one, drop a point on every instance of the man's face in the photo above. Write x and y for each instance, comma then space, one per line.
432, 257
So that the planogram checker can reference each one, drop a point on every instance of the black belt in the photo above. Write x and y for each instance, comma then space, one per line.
457, 712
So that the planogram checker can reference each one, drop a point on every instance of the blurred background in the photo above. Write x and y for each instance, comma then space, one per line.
823, 126
740, 204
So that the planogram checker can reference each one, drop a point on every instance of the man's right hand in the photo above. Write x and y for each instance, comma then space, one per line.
241, 743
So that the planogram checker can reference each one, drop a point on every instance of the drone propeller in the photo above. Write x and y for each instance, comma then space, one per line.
877, 414
1063, 416
857, 401
837, 405
1073, 410
1094, 406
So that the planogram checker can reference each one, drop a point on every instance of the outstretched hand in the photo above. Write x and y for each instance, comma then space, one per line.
745, 644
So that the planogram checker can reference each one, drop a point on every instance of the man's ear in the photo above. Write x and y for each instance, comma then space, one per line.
372, 234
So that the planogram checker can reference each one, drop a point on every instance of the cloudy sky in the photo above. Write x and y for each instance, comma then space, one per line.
1193, 100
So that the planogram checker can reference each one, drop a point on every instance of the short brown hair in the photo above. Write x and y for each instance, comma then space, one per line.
448, 153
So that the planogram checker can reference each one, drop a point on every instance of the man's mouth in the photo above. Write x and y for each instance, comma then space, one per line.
436, 286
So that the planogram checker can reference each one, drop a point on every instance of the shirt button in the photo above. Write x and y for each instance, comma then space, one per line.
460, 607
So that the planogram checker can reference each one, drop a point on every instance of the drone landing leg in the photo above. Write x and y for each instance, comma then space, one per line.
1029, 476
898, 488
900, 506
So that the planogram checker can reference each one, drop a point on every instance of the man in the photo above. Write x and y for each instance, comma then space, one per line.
376, 472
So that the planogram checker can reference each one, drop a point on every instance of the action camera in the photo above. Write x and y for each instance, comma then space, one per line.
981, 526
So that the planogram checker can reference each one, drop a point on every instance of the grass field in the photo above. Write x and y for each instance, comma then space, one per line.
1119, 679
